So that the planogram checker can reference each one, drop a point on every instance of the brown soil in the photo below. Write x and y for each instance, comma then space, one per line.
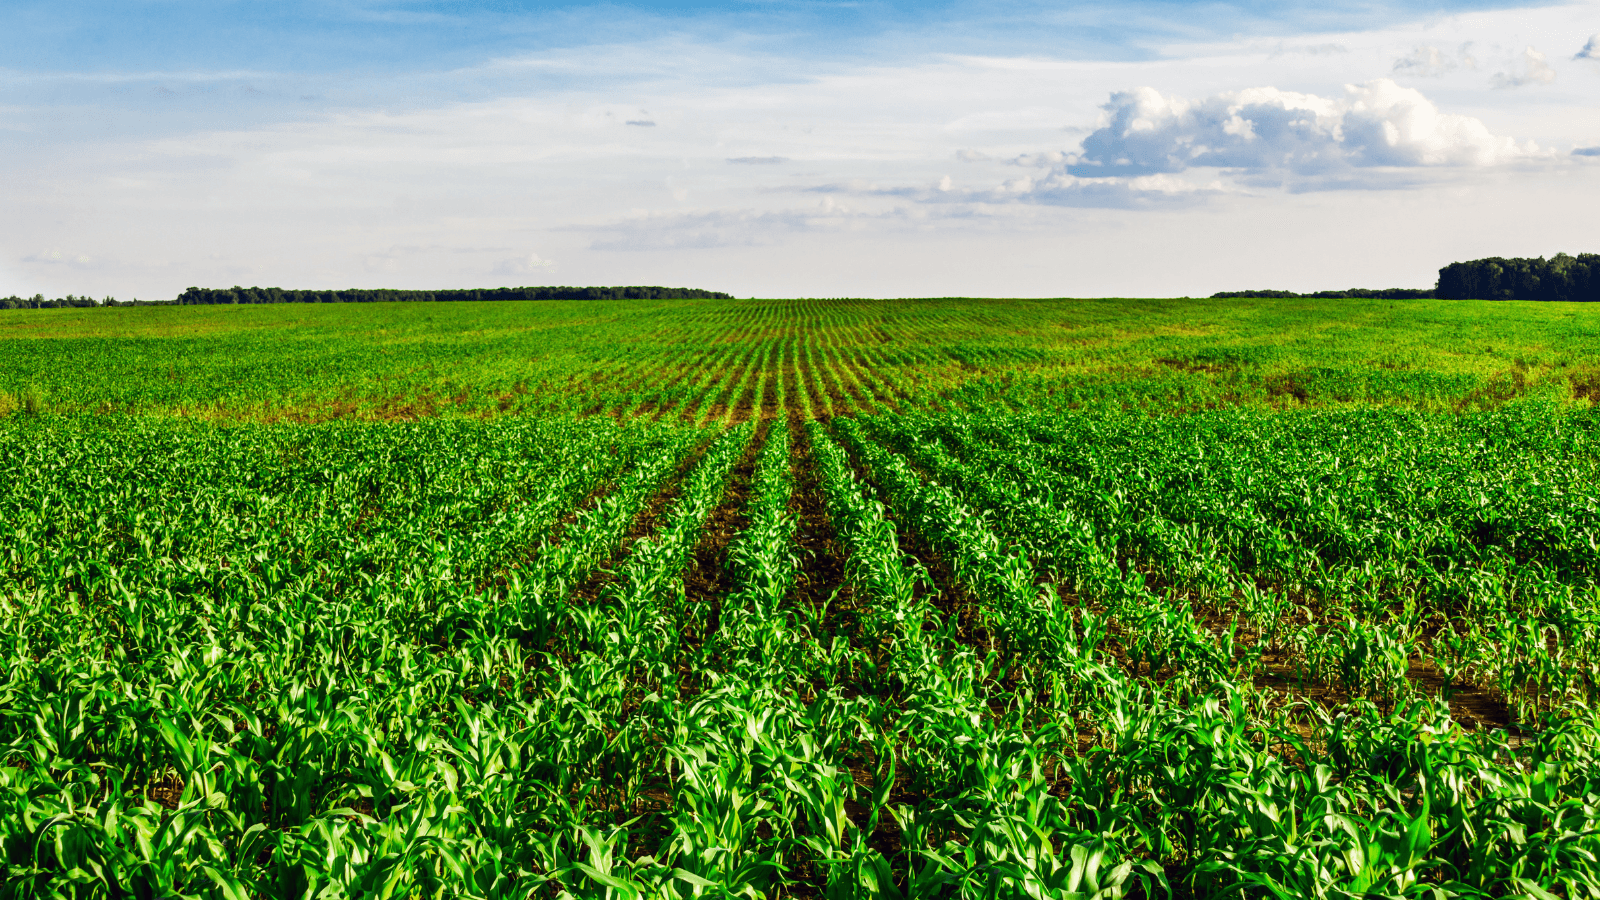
821, 575
819, 406
845, 395
865, 375
717, 412
1471, 706
744, 407
727, 390
552, 537
1586, 386
1495, 392
769, 397
950, 597
644, 523
655, 409
797, 395
166, 792
708, 579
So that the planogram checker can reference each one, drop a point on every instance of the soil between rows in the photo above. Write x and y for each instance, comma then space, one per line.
708, 578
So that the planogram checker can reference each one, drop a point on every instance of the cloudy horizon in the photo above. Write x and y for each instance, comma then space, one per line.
791, 149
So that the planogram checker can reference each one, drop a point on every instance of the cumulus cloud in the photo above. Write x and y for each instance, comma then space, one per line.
1533, 70
1269, 131
1590, 50
1153, 150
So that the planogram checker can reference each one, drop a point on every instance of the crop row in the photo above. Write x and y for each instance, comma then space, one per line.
1216, 799
1064, 655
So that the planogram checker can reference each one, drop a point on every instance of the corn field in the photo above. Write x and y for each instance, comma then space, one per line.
790, 619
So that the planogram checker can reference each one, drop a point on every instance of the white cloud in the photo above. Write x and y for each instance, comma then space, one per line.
1043, 159
1590, 50
1534, 70
1061, 188
1035, 117
531, 264
1428, 60
728, 228
1328, 49
462, 173
1266, 130
1054, 187
58, 258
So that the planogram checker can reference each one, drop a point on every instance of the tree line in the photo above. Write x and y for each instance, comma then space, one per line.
38, 301
236, 294
1350, 294
1561, 278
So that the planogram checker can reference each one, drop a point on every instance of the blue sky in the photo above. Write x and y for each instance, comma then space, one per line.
385, 37
786, 148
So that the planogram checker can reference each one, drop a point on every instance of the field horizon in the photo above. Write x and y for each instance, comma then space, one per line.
404, 361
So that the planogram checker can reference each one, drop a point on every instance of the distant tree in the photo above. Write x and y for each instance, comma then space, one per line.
1350, 294
237, 294
1559, 278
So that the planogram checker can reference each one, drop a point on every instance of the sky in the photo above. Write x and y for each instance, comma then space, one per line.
789, 148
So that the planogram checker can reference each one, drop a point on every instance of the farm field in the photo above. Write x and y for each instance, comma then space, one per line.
700, 361
946, 598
